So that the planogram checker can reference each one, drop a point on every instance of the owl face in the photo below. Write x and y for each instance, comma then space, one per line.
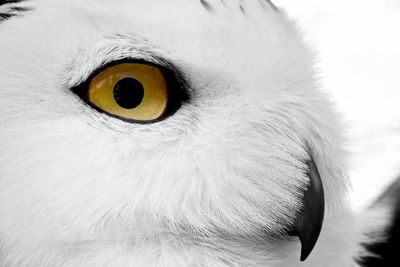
237, 117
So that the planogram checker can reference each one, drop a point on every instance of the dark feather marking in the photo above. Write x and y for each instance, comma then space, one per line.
386, 253
242, 9
19, 9
13, 10
5, 2
4, 16
272, 5
206, 5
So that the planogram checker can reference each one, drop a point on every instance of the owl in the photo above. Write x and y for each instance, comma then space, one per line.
167, 133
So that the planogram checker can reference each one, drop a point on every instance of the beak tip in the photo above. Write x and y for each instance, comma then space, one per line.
305, 253
309, 221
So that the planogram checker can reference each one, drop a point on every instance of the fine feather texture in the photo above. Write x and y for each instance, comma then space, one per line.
219, 183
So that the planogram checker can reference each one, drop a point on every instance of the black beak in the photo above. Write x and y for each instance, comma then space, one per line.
308, 223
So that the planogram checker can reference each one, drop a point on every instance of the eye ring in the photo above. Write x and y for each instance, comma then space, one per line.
117, 88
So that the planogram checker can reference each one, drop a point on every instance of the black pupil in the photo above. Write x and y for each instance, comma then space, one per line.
128, 93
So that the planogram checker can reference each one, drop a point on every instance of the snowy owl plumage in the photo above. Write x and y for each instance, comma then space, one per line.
218, 183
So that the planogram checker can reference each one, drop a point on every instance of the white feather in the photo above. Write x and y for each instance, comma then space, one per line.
202, 188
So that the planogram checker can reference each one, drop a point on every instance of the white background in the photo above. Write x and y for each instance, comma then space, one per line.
359, 60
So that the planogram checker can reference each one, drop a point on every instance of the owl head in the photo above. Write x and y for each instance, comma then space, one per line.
153, 126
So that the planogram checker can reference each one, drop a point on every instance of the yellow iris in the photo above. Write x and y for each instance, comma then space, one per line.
132, 91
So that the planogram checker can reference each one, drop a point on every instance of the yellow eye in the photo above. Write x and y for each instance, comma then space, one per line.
131, 91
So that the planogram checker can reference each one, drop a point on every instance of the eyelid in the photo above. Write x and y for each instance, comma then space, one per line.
108, 49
